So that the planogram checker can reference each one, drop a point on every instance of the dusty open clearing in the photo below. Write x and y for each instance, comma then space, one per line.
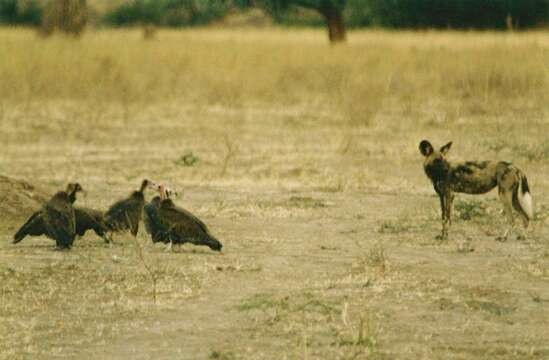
308, 172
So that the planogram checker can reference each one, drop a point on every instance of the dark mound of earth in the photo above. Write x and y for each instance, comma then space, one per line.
18, 198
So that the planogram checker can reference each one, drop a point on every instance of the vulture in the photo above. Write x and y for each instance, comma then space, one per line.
85, 219
171, 224
153, 226
125, 214
58, 216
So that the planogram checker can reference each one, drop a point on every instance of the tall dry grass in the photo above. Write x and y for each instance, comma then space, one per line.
241, 67
291, 105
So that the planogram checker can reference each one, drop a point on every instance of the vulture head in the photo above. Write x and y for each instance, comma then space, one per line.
166, 192
72, 189
214, 244
145, 184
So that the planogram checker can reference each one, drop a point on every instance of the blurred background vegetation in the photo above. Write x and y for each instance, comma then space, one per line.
336, 15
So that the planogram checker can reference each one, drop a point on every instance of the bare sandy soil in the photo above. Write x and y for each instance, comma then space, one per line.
328, 228
330, 280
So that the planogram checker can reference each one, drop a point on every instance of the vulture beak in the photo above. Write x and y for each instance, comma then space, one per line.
162, 191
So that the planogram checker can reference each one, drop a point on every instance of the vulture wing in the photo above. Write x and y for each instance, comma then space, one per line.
34, 226
153, 224
125, 214
185, 227
89, 219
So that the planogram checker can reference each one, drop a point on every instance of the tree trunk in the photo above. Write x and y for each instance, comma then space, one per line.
69, 16
335, 24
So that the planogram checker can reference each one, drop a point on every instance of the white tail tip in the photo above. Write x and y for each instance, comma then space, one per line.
525, 201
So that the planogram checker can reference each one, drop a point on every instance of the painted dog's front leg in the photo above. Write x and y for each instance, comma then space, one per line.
443, 215
449, 206
446, 197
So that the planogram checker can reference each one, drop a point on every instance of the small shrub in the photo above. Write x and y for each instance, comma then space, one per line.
187, 159
467, 210
491, 307
376, 256
220, 355
305, 202
393, 227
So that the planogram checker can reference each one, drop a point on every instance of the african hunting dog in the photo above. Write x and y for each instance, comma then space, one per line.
473, 177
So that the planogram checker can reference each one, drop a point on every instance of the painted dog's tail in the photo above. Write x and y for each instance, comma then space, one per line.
524, 196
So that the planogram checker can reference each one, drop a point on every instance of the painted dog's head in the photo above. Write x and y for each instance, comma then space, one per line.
436, 166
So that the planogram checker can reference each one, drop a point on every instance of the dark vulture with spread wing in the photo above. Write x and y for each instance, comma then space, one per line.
85, 219
58, 216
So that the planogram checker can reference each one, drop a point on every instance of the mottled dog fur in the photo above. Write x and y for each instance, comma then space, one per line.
472, 177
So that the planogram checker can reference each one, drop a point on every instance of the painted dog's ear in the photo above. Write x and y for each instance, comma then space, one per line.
425, 148
444, 150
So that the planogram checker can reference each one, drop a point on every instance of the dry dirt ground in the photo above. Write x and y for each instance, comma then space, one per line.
328, 231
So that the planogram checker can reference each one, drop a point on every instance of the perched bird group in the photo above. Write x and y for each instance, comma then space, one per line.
60, 220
